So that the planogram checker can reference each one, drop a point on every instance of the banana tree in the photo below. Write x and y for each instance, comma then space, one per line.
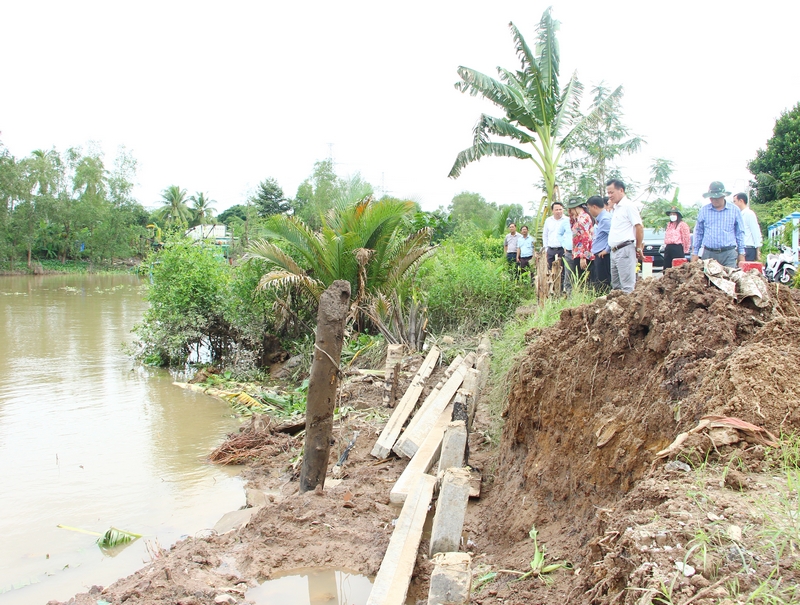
538, 112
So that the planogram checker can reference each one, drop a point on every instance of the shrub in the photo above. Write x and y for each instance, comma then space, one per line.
467, 291
188, 290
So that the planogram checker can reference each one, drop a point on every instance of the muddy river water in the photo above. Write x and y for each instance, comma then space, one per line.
91, 441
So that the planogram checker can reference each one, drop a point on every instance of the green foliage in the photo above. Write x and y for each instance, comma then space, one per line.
469, 287
360, 241
188, 296
593, 151
467, 206
777, 168
237, 211
174, 210
538, 112
317, 194
438, 222
202, 208
269, 198
771, 212
68, 207
654, 214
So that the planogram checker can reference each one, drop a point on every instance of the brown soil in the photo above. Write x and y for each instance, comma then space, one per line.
592, 401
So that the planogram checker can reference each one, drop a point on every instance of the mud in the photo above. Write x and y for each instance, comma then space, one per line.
593, 399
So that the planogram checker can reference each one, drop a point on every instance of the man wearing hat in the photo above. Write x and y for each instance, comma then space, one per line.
719, 229
677, 238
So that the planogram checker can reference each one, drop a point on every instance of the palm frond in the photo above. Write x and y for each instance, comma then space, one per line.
491, 125
277, 279
594, 116
473, 154
548, 54
523, 51
475, 83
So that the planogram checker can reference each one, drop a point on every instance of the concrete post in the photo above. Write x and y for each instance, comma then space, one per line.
451, 507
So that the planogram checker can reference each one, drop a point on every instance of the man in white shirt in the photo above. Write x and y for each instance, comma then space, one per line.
625, 237
752, 232
551, 241
510, 244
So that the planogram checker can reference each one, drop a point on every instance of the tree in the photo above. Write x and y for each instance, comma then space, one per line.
538, 112
776, 168
359, 242
467, 206
269, 198
596, 146
201, 208
237, 211
174, 211
654, 214
317, 194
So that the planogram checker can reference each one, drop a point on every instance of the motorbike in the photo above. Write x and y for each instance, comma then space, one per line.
780, 267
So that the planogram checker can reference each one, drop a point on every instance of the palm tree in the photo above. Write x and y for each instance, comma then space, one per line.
201, 207
174, 211
538, 112
359, 241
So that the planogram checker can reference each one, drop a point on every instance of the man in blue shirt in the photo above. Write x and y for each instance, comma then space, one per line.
719, 229
600, 269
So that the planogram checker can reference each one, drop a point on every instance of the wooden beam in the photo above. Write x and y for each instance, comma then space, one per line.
427, 415
423, 461
391, 431
394, 576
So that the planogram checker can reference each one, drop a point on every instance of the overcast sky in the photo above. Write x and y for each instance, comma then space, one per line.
215, 97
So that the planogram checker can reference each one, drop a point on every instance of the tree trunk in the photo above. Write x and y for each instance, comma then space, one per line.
334, 304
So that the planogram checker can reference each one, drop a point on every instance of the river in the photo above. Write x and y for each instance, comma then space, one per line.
90, 440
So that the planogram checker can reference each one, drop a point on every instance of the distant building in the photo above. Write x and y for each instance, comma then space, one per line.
217, 233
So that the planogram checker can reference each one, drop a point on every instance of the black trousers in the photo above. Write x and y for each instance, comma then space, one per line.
600, 273
671, 252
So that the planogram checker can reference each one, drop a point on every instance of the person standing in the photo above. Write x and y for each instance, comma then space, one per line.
752, 231
510, 244
677, 238
582, 235
625, 237
524, 249
600, 269
719, 229
565, 239
551, 242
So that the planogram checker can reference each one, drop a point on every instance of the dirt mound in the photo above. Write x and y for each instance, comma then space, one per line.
596, 396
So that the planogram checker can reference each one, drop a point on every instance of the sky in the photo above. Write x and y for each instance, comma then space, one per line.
215, 97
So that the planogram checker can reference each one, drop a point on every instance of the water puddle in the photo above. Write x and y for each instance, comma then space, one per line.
313, 586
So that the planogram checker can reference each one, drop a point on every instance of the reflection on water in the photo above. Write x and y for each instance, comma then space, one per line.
90, 441
313, 587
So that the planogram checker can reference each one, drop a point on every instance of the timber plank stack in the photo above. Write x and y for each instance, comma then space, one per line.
434, 433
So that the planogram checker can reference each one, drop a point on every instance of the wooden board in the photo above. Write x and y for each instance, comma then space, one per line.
406, 405
427, 415
394, 576
423, 461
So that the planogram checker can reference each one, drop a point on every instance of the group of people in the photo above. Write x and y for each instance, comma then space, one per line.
604, 236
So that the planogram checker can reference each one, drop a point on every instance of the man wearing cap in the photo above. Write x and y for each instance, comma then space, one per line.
752, 232
719, 229
677, 237
600, 269
624, 237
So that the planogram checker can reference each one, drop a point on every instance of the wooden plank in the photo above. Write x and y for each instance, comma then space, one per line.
423, 461
426, 417
391, 431
394, 576
431, 396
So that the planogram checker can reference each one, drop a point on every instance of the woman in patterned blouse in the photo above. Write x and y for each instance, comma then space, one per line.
677, 238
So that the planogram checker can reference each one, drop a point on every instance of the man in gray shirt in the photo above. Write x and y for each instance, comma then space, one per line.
510, 244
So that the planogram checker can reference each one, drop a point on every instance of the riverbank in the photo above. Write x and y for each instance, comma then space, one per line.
650, 440
72, 267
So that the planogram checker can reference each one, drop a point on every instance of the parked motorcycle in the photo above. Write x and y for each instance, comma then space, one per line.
780, 267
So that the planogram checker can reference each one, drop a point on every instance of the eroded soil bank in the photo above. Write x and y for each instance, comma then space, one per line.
592, 400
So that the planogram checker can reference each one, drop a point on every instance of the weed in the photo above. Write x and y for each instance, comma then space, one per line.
538, 567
